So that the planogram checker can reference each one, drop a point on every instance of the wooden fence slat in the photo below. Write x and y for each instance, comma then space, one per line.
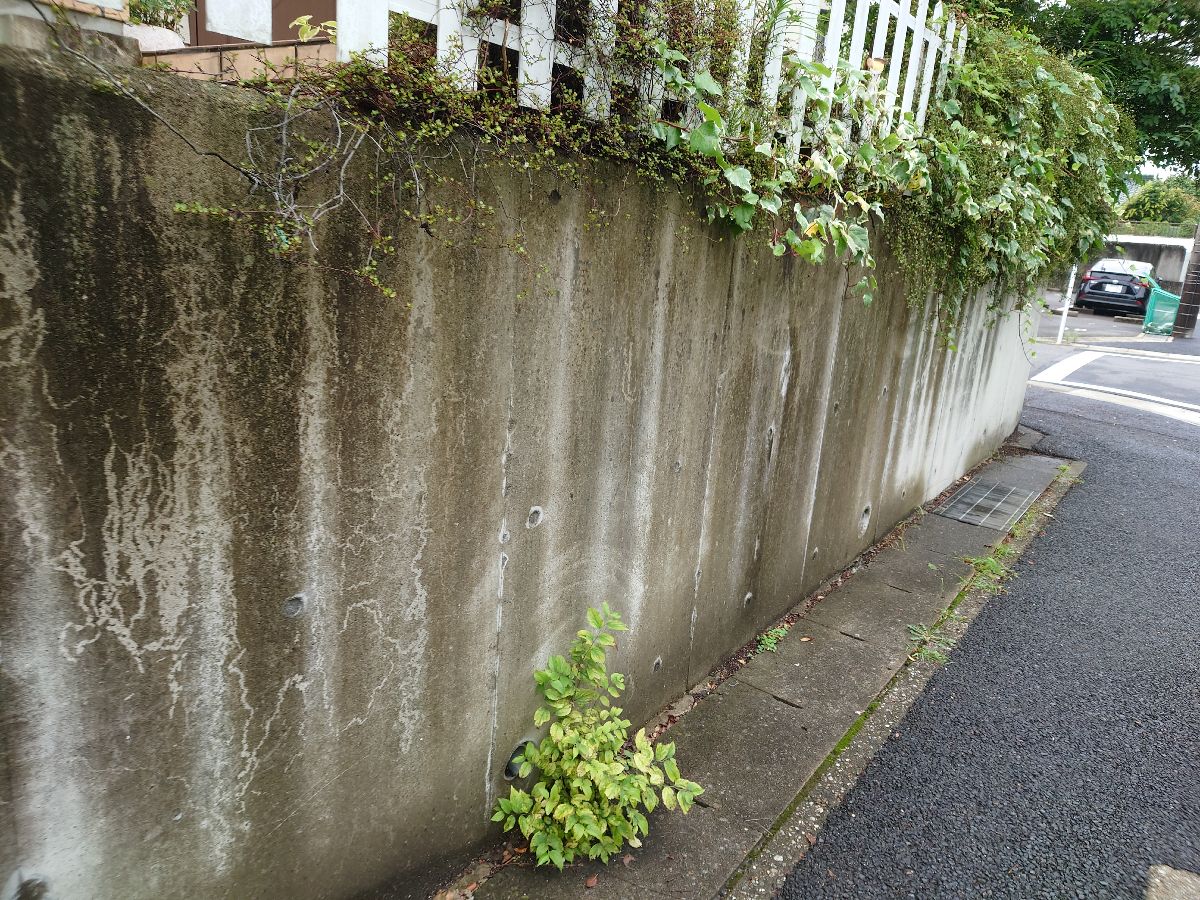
536, 64
888, 10
947, 52
895, 63
777, 42
503, 33
598, 59
937, 45
457, 44
832, 50
913, 69
359, 24
805, 43
858, 33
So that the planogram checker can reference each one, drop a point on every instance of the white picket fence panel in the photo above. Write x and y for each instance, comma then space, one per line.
917, 47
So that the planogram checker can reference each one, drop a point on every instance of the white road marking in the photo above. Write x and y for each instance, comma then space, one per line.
1060, 370
1166, 401
1149, 354
1170, 412
1057, 377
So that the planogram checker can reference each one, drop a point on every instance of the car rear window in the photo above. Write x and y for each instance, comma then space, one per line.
1123, 267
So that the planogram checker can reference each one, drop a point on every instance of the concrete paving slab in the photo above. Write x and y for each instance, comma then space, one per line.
915, 568
1025, 438
950, 538
1166, 883
874, 611
746, 747
830, 676
689, 855
1031, 471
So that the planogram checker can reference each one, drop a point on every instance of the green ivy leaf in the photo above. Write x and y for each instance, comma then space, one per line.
706, 83
712, 116
739, 177
743, 215
811, 250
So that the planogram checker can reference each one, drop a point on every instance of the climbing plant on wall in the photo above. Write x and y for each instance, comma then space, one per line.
1013, 174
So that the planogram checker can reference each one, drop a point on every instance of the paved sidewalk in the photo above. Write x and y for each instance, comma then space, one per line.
757, 741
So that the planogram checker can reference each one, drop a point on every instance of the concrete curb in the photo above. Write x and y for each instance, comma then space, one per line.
779, 742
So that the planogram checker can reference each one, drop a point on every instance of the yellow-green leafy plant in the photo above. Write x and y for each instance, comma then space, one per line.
592, 783
307, 31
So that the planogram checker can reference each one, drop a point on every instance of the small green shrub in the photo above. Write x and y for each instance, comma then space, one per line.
1163, 201
592, 785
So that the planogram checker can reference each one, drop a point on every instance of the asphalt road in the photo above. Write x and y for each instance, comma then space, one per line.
1058, 754
1101, 328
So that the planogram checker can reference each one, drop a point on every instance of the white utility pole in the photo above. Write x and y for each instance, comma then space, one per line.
1066, 303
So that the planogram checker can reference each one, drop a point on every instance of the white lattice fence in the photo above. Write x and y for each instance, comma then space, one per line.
916, 47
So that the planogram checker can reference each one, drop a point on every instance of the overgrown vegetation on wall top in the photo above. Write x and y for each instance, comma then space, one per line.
1012, 177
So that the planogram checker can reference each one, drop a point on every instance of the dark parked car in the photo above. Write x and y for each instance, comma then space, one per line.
1116, 285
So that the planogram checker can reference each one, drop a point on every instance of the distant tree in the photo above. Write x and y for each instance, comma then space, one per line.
1146, 55
1171, 200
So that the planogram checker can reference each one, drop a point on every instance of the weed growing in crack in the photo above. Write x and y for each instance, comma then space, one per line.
929, 644
770, 639
1065, 476
990, 571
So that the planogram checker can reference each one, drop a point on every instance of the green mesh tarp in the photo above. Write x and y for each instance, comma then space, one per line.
1160, 310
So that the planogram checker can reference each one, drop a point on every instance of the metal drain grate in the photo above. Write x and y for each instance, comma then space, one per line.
992, 504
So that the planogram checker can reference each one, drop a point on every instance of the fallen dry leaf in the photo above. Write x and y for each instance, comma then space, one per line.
471, 887
592, 881
627, 859
812, 839
806, 638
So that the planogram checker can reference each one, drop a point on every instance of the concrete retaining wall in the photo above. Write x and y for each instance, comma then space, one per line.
279, 556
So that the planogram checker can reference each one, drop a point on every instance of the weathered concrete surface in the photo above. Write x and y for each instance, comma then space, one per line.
279, 555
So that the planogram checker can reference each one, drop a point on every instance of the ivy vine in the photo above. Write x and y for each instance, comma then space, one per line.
1013, 176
